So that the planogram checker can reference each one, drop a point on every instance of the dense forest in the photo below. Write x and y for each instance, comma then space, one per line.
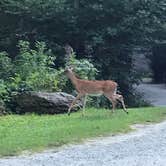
102, 33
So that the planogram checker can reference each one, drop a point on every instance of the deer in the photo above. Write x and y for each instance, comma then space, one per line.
108, 88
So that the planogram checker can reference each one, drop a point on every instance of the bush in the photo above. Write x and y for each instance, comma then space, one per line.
4, 96
6, 66
83, 67
31, 70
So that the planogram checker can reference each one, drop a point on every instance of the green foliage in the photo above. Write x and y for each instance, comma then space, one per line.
83, 67
3, 91
4, 96
33, 68
5, 66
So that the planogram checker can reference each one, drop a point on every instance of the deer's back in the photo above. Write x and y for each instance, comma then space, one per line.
95, 87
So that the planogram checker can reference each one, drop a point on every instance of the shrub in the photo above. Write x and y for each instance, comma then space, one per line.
83, 67
33, 69
5, 66
4, 96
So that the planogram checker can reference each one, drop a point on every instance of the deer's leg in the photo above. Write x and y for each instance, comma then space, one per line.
120, 98
74, 101
84, 104
112, 100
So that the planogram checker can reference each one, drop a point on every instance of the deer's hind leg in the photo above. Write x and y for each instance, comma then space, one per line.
84, 104
112, 100
121, 99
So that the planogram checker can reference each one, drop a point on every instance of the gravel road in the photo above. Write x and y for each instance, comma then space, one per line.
155, 93
144, 147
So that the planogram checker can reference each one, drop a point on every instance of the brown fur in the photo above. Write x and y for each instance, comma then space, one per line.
107, 88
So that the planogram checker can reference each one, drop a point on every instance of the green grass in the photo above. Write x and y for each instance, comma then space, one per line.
35, 133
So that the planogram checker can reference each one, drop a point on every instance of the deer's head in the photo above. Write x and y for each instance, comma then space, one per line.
68, 71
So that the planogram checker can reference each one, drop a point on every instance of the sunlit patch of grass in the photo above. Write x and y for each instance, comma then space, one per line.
34, 132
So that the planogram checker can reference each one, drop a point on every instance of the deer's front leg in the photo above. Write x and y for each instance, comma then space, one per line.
113, 101
84, 104
74, 101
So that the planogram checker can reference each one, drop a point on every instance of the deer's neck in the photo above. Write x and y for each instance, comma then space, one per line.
73, 79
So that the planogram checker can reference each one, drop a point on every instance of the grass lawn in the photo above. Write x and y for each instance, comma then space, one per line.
35, 133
